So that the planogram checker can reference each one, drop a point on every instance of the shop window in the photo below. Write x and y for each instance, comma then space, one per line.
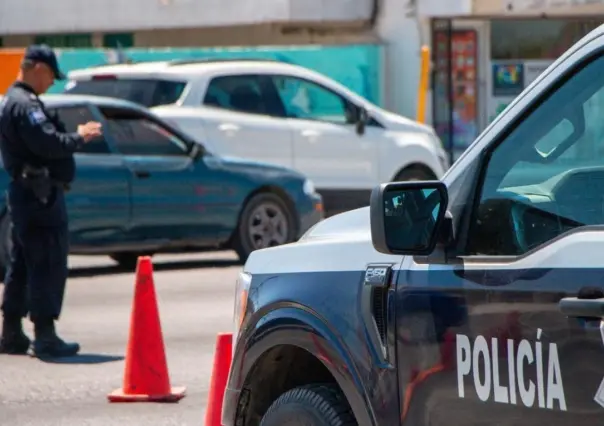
123, 40
65, 40
536, 38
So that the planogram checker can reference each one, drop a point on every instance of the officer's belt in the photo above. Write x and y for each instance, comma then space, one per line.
27, 175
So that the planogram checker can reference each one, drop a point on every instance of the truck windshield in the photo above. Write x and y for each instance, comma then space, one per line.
146, 92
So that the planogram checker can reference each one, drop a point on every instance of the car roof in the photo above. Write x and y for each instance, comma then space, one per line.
189, 67
56, 100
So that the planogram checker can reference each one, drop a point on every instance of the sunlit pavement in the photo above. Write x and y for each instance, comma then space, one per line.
195, 295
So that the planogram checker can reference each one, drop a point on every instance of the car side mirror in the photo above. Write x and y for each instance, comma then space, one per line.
196, 151
407, 218
362, 119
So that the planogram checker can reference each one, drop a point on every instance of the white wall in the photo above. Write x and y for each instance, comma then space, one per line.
404, 27
44, 16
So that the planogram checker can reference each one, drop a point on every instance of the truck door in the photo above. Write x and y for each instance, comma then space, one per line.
480, 335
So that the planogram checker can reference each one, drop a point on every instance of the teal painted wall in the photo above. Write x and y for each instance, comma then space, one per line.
359, 67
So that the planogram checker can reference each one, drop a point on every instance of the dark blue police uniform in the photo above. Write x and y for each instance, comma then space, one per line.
38, 156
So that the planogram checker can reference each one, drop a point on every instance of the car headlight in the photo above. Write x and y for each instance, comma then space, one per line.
309, 187
242, 287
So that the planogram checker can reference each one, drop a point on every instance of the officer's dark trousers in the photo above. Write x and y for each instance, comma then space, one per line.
35, 279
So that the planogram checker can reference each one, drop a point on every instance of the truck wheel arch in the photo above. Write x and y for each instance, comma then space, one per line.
267, 370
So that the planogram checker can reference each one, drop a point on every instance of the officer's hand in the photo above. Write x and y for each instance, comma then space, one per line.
90, 130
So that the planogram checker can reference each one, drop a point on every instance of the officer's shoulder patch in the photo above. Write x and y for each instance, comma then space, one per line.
36, 116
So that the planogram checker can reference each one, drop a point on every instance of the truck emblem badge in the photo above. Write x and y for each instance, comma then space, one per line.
377, 275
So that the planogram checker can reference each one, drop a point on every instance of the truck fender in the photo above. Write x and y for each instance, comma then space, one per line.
301, 327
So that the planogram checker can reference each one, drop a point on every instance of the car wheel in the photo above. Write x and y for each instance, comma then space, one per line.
5, 243
314, 405
128, 261
414, 173
265, 221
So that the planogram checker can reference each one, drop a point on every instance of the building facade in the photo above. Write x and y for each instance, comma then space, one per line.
152, 23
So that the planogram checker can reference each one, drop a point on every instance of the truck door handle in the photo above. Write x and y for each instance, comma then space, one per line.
582, 308
142, 174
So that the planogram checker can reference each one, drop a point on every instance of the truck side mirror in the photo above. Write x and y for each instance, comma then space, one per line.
406, 217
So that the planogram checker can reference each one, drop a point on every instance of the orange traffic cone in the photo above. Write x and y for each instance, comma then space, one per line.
220, 376
146, 373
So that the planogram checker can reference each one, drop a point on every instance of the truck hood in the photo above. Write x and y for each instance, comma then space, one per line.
339, 243
351, 224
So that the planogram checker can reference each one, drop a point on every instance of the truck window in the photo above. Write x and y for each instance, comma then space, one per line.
547, 176
147, 92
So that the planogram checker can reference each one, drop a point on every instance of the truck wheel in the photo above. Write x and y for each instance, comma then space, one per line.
265, 221
313, 405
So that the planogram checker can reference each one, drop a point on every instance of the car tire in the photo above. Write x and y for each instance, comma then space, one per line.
279, 232
313, 405
5, 244
128, 261
414, 173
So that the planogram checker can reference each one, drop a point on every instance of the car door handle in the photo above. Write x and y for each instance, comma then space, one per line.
228, 127
582, 308
142, 174
310, 133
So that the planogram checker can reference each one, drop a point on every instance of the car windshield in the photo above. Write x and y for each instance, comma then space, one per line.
146, 92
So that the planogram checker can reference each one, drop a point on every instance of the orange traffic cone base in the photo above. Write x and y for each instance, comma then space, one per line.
175, 395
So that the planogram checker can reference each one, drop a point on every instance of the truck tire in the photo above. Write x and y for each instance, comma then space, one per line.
263, 205
313, 405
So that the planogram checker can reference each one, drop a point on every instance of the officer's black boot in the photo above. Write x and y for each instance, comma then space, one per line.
48, 345
14, 341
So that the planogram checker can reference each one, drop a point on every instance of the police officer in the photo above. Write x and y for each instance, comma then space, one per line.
38, 156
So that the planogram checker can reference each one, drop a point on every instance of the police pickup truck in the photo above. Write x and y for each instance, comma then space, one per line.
469, 301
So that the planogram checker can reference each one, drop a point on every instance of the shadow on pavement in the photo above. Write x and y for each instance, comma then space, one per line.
83, 359
157, 267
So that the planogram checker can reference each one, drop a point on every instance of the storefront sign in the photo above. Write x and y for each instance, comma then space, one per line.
455, 113
509, 79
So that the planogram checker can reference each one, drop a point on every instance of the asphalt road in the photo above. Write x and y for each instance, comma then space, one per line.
195, 297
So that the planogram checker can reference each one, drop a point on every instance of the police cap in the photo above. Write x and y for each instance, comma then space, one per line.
42, 53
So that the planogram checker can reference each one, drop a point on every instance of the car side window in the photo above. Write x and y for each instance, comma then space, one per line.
72, 117
136, 134
243, 93
306, 100
547, 176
